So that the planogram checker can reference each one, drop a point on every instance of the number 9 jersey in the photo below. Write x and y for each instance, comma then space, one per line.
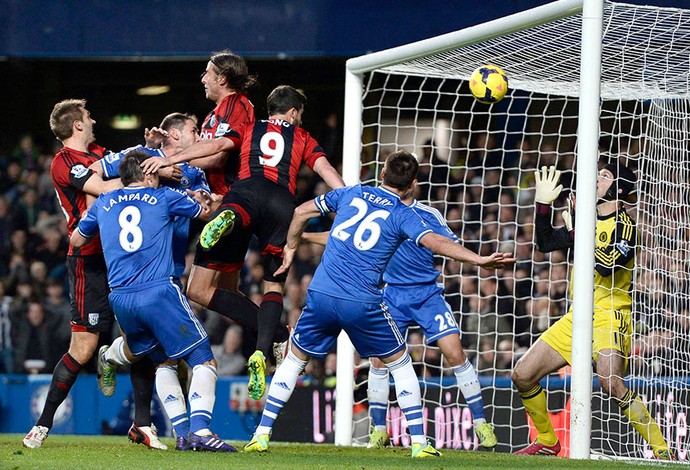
370, 225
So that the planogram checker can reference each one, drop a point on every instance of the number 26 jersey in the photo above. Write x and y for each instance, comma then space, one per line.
369, 226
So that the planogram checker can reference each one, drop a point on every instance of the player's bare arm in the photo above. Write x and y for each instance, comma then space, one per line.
444, 246
211, 161
95, 185
299, 222
318, 238
154, 137
203, 148
329, 174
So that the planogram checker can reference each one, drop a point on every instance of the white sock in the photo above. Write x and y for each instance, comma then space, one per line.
170, 393
377, 392
202, 397
409, 396
280, 391
468, 382
116, 353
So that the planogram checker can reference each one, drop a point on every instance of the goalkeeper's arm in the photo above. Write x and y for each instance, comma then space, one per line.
547, 190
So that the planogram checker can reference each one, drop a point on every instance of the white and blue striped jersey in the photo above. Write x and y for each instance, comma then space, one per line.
413, 264
136, 227
369, 226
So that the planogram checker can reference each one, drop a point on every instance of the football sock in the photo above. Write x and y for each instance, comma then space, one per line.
409, 396
469, 386
270, 311
377, 393
534, 400
64, 376
640, 419
281, 389
171, 396
116, 353
239, 308
143, 376
202, 397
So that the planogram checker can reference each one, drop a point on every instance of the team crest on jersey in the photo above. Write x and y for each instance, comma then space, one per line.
623, 247
112, 157
184, 182
223, 129
603, 237
212, 121
79, 171
93, 319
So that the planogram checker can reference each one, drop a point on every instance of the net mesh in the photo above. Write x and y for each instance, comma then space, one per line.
477, 168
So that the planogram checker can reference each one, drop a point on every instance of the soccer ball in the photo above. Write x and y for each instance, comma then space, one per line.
489, 84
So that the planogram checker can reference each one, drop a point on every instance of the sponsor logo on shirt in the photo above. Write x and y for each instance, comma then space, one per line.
79, 171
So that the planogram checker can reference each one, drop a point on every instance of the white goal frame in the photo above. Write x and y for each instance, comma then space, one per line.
587, 154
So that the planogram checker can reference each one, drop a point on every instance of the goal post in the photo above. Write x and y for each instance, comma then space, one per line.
478, 167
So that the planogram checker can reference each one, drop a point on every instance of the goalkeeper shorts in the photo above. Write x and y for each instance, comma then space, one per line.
612, 330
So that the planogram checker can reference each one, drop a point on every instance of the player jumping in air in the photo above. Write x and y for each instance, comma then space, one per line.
261, 203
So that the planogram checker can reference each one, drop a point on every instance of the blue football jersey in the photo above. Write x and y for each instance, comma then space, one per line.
369, 226
136, 228
193, 178
414, 264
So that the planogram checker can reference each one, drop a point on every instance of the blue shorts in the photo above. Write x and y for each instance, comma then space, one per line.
369, 326
157, 314
423, 305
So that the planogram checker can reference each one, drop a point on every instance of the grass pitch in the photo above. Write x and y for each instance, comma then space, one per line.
116, 452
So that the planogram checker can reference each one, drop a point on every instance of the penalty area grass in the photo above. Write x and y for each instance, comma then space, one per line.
116, 452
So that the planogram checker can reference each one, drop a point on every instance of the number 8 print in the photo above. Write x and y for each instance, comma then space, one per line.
131, 236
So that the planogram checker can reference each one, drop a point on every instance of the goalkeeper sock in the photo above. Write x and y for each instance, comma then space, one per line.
143, 376
237, 307
409, 396
64, 376
468, 382
636, 411
202, 397
270, 311
116, 353
377, 393
534, 400
280, 391
171, 396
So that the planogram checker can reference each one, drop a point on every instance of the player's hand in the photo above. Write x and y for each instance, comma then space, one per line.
153, 164
569, 214
172, 172
496, 261
547, 188
154, 137
288, 256
203, 198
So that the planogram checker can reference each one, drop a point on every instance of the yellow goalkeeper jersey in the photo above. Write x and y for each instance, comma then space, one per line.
614, 257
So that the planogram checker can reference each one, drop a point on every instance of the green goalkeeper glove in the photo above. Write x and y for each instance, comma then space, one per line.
569, 214
547, 188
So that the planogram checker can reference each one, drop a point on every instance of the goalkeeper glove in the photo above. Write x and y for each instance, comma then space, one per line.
569, 214
547, 188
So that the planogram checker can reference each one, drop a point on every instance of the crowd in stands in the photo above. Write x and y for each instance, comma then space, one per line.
487, 198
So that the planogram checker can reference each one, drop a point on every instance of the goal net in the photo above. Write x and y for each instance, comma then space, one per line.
477, 168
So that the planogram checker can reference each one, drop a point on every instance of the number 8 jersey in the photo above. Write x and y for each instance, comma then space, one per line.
136, 227
370, 225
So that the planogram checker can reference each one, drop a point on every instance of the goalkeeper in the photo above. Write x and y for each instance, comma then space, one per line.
616, 244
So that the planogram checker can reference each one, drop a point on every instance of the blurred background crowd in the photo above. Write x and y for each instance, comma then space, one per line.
487, 197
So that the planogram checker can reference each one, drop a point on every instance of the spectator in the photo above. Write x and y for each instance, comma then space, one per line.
6, 333
229, 356
35, 342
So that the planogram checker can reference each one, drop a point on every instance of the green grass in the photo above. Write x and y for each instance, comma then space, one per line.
111, 453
